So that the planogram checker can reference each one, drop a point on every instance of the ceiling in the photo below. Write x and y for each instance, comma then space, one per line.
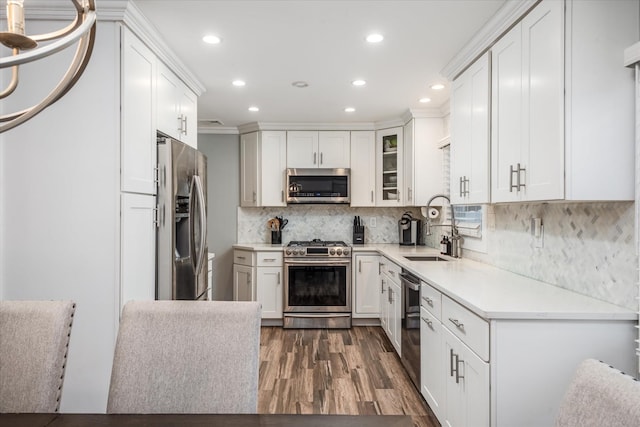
270, 44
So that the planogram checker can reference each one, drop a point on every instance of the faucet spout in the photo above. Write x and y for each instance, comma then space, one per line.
454, 230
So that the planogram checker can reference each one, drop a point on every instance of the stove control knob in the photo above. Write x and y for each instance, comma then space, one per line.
346, 252
288, 252
332, 251
339, 251
297, 252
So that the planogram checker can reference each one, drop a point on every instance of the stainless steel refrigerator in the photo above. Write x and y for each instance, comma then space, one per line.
181, 254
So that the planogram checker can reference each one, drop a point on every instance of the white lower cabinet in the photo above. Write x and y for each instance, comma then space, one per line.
138, 251
431, 362
243, 289
366, 286
258, 276
391, 302
466, 384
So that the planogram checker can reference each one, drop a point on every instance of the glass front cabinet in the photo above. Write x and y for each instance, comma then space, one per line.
389, 160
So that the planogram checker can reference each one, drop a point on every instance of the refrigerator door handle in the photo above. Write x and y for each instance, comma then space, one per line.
196, 184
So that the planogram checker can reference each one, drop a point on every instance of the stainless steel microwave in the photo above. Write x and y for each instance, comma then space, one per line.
318, 186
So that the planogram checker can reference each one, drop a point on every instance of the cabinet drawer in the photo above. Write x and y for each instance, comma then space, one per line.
242, 257
390, 269
269, 259
470, 328
431, 300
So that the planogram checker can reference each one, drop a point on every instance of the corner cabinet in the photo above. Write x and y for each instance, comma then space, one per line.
262, 168
389, 167
470, 140
363, 176
318, 149
258, 276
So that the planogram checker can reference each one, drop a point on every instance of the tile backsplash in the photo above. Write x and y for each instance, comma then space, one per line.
326, 222
588, 247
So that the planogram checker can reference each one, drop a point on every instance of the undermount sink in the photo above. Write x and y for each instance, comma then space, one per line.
425, 258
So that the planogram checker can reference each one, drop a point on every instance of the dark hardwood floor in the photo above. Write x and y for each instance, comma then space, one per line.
336, 371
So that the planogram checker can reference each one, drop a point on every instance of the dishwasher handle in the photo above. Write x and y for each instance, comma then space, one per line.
410, 282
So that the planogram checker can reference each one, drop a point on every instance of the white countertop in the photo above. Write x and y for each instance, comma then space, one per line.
490, 292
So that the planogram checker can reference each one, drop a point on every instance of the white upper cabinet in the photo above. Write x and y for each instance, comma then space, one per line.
262, 168
177, 108
138, 147
527, 141
600, 119
556, 132
273, 163
470, 143
318, 149
423, 160
249, 160
363, 174
389, 167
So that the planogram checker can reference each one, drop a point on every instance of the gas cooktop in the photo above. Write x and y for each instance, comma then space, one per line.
316, 243
317, 247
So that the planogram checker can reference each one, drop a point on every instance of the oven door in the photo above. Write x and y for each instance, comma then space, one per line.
317, 286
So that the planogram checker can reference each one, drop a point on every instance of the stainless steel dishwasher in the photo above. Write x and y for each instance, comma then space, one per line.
411, 325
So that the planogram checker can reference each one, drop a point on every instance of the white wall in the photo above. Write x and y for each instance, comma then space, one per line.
60, 185
223, 189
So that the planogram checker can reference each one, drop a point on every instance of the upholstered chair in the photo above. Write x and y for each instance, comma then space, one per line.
186, 357
598, 396
34, 338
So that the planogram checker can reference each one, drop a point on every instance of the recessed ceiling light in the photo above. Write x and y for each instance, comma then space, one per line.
424, 100
375, 38
358, 82
211, 39
238, 83
300, 84
437, 86
349, 110
254, 109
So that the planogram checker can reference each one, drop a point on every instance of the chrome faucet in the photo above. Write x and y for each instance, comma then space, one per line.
455, 237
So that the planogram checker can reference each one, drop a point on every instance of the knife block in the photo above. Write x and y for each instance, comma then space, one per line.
358, 236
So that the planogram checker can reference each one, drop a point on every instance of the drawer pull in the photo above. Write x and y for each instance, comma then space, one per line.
457, 323
451, 356
241, 257
458, 375
428, 322
269, 260
428, 300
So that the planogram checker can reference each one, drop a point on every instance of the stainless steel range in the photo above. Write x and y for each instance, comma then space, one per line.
318, 278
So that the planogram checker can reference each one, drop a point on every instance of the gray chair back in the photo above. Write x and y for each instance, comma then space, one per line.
186, 357
34, 338
598, 396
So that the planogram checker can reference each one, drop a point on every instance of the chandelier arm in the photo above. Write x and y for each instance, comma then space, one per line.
83, 65
71, 27
52, 48
23, 116
13, 84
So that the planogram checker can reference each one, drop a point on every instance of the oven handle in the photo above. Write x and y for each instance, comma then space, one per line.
317, 262
319, 315
406, 281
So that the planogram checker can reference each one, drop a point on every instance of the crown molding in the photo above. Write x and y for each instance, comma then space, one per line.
124, 11
219, 130
510, 13
632, 55
258, 126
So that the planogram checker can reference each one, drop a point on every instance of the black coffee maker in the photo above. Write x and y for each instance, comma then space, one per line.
410, 230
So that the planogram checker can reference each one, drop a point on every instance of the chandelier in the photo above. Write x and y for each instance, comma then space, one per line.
25, 49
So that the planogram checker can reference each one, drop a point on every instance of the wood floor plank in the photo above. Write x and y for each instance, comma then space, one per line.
336, 371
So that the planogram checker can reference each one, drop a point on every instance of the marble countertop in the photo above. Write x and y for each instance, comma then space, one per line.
488, 291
